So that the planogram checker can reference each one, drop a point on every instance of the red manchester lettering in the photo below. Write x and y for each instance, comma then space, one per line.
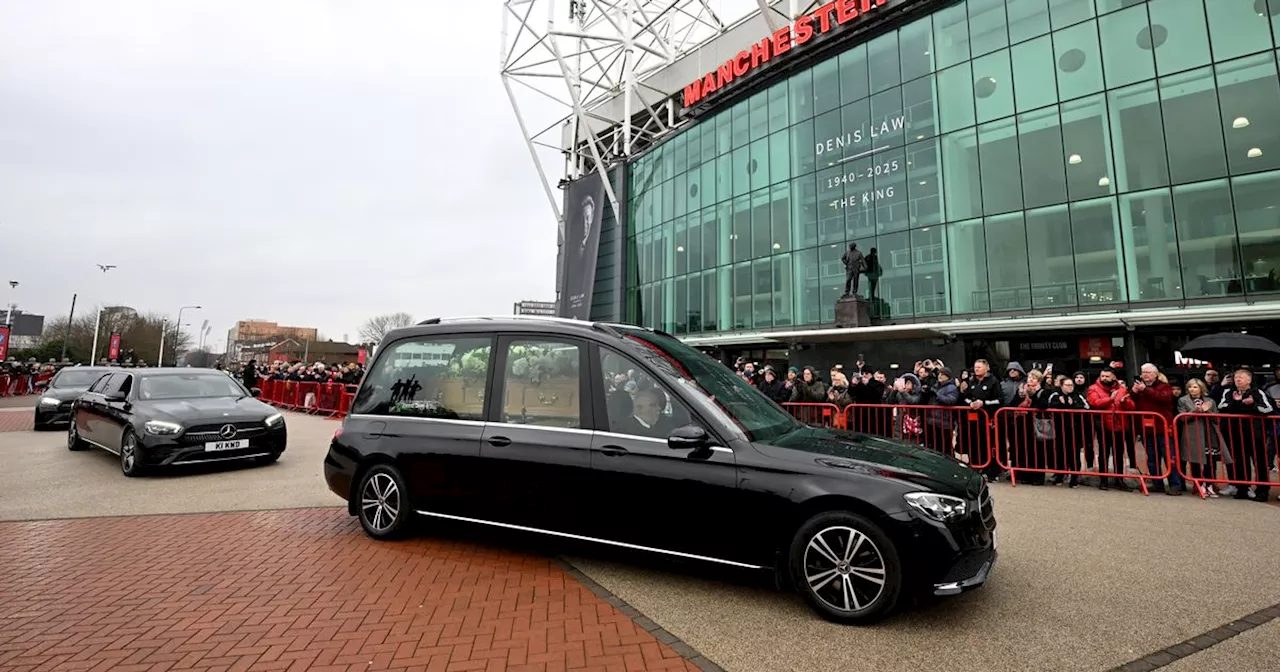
741, 63
847, 10
823, 15
782, 41
760, 53
804, 30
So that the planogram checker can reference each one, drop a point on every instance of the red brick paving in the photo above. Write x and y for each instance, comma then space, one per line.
17, 421
294, 590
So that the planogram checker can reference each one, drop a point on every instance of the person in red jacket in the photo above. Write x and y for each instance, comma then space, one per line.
1111, 394
1156, 396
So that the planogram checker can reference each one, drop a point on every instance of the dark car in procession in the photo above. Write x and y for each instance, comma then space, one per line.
53, 408
154, 418
627, 437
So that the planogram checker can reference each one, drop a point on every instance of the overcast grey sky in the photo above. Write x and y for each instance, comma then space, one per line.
311, 162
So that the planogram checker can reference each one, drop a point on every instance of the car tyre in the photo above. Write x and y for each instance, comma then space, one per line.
131, 455
382, 502
74, 442
846, 568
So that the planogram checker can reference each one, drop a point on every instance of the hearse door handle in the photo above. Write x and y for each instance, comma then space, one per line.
613, 450
499, 441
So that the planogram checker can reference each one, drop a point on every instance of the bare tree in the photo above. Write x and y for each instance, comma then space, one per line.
139, 332
375, 328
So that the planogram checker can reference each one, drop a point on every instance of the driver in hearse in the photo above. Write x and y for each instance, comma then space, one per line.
646, 417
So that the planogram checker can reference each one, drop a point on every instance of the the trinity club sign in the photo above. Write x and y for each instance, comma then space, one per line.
822, 20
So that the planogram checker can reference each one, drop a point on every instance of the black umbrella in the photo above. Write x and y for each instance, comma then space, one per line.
1233, 348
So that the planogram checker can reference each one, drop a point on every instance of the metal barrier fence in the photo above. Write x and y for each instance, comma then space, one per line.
329, 399
1196, 448
1239, 450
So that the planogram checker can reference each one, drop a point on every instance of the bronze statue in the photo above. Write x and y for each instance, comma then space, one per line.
855, 264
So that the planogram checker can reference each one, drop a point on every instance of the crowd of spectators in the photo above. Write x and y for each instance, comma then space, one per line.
1043, 441
300, 372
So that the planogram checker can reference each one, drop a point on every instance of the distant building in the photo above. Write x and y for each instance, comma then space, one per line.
248, 333
291, 350
535, 308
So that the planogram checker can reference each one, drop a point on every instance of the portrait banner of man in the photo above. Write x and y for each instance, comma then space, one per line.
583, 212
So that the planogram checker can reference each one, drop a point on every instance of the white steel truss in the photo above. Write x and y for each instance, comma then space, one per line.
561, 59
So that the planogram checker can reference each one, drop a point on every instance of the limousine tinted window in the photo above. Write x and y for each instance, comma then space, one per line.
428, 377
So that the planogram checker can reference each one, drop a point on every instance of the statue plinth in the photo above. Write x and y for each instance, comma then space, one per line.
852, 312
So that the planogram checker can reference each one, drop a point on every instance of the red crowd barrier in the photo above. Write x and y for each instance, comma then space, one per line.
1043, 442
1237, 450
329, 399
822, 415
959, 431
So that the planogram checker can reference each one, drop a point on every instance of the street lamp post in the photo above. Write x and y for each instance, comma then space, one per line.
177, 331
8, 315
164, 328
97, 322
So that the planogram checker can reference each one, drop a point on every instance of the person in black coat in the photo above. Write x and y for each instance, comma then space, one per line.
980, 393
1247, 436
250, 374
1071, 430
773, 387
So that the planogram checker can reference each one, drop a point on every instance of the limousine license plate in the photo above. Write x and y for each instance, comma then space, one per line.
226, 445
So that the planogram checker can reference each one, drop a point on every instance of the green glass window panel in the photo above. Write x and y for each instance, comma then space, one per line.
804, 268
1095, 232
758, 115
929, 271
921, 108
915, 47
1079, 61
1186, 41
1127, 46
665, 195
826, 86
832, 204
1064, 13
669, 306
724, 297
779, 157
1249, 94
1053, 275
950, 36
710, 307
1044, 176
1273, 8
779, 108
800, 95
693, 242
1008, 267
889, 194
782, 294
680, 195
708, 148
955, 98
1206, 228
993, 86
710, 238
830, 281
1258, 221
888, 121
967, 263
1034, 74
1150, 246
724, 132
804, 212
998, 156
828, 131
724, 177
694, 148
802, 149
854, 137
741, 158
1086, 141
1027, 19
761, 224
707, 183
1189, 107
724, 228
884, 65
988, 26
740, 229
681, 256
643, 272
859, 202
1107, 6
780, 217
923, 182
962, 189
741, 297
855, 83
741, 124
758, 164
1237, 28
693, 320
762, 293
1137, 137
895, 288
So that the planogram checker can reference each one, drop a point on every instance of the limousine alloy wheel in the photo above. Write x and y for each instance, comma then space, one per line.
846, 568
73, 437
130, 454
383, 504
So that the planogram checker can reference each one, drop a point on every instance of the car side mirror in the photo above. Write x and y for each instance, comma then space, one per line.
689, 437
113, 398
255, 391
